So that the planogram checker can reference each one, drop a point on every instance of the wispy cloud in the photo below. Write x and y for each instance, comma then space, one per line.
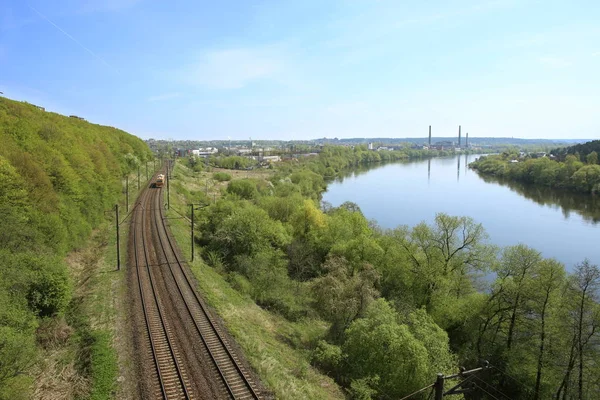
233, 68
555, 62
74, 40
163, 97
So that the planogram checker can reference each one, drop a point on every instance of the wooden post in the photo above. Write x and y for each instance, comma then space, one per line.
439, 387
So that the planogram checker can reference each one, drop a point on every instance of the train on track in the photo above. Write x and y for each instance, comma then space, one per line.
160, 180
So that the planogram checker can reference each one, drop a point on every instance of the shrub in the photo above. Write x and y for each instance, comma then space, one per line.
221, 176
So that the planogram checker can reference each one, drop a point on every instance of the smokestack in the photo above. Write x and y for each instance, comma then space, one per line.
459, 136
430, 135
467, 140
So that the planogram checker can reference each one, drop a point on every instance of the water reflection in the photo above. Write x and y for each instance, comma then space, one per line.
587, 206
428, 170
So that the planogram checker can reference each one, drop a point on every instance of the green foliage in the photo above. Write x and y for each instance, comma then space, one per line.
403, 305
245, 189
379, 346
17, 355
344, 293
248, 231
327, 356
571, 174
99, 359
233, 162
221, 176
58, 175
50, 288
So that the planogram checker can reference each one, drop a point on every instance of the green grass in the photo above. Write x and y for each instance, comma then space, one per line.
102, 364
98, 350
277, 349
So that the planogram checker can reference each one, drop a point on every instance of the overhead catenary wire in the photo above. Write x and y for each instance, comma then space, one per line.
488, 393
491, 387
525, 386
418, 391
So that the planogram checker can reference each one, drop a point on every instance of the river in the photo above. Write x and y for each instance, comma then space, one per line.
565, 226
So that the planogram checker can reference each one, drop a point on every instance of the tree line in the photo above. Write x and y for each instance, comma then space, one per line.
570, 174
405, 304
57, 177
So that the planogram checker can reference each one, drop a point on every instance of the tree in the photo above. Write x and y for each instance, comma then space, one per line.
547, 282
244, 188
397, 357
248, 230
592, 158
342, 295
584, 323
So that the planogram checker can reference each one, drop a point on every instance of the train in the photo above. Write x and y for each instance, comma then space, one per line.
160, 180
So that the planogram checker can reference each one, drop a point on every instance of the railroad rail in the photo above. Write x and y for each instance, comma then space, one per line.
171, 377
170, 371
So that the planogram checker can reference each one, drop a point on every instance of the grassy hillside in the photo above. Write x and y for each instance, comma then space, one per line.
58, 175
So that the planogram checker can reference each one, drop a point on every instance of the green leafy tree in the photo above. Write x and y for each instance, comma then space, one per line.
343, 294
379, 348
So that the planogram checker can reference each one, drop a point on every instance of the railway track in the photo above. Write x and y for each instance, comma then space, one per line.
171, 377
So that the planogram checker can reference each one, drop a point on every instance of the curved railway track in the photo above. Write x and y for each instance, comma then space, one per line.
151, 240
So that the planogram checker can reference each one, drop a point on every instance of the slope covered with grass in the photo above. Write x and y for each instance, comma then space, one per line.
58, 175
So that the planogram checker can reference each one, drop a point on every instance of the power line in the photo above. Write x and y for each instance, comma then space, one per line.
417, 392
513, 378
491, 395
491, 387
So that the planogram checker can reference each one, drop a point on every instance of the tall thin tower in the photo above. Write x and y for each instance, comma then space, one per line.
429, 135
459, 136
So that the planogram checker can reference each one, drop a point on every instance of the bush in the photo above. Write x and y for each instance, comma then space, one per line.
244, 188
50, 290
221, 176
327, 356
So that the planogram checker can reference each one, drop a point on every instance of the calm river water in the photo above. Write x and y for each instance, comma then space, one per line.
565, 226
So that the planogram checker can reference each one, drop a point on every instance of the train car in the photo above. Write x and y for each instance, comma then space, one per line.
160, 180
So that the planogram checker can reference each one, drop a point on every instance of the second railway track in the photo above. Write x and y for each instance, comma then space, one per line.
152, 241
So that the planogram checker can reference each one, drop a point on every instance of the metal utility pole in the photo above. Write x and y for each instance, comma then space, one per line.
146, 171
138, 178
168, 191
127, 192
118, 243
192, 231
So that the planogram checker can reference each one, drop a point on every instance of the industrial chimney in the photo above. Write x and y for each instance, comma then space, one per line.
430, 135
459, 136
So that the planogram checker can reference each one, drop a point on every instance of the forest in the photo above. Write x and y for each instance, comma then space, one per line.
58, 175
580, 173
404, 304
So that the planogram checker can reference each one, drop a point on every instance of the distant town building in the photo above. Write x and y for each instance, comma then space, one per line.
271, 159
205, 152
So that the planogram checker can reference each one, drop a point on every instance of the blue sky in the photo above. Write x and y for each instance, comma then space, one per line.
308, 69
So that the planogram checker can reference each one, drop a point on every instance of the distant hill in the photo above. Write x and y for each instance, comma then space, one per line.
58, 175
583, 149
159, 144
